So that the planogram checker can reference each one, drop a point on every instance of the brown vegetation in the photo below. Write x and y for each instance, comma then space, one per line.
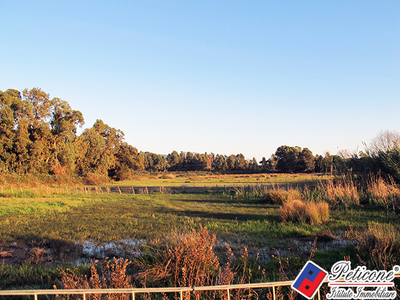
300, 211
105, 275
341, 192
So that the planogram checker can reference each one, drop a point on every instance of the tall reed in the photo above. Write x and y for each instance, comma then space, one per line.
343, 192
380, 192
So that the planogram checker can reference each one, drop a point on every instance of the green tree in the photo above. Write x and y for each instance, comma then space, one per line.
287, 158
253, 165
174, 161
219, 163
100, 144
127, 162
306, 161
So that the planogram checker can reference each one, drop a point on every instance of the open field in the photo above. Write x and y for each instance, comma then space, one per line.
110, 217
204, 179
73, 227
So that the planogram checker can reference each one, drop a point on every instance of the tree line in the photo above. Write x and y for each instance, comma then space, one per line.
38, 134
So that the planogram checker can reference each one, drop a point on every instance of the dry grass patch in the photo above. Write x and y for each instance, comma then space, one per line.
300, 211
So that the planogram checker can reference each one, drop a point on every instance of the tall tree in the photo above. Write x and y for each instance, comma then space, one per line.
287, 158
101, 143
306, 161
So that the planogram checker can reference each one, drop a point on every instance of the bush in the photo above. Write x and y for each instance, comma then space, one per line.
305, 212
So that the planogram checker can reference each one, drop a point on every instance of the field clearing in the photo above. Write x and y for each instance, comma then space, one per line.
74, 225
194, 179
103, 218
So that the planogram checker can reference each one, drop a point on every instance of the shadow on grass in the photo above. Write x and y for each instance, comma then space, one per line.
220, 215
24, 249
239, 203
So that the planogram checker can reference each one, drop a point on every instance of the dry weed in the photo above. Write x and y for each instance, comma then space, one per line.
189, 260
38, 255
112, 276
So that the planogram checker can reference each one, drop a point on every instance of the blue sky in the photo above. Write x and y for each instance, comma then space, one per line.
214, 76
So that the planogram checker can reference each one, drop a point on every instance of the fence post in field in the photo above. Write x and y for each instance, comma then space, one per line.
133, 295
133, 190
273, 292
229, 294
119, 190
181, 292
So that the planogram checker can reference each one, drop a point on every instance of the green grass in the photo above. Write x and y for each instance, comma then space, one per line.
60, 220
110, 217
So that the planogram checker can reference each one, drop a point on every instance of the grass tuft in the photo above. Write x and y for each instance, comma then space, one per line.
300, 211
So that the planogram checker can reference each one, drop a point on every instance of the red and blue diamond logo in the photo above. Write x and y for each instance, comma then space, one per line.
309, 280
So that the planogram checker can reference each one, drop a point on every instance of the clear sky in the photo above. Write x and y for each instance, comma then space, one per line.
226, 77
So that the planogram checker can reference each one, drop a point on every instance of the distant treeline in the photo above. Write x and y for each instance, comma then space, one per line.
285, 160
38, 135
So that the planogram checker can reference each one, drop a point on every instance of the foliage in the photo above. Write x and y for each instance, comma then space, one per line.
38, 135
381, 157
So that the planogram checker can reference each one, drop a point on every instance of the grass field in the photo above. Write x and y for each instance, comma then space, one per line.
65, 223
196, 179
108, 217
